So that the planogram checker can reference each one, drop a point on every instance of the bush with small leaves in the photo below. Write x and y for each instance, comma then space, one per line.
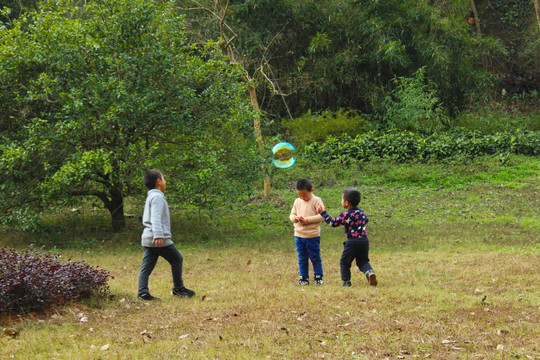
408, 146
33, 280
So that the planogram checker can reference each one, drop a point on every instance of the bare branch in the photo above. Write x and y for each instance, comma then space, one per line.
213, 13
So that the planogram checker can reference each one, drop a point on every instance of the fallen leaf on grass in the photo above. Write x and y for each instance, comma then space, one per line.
104, 347
147, 333
183, 336
500, 347
248, 263
344, 325
502, 332
448, 342
10, 333
84, 319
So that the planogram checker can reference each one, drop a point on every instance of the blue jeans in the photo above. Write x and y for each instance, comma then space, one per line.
309, 249
150, 258
354, 250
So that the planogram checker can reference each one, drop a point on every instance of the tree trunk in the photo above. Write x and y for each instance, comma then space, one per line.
230, 52
259, 137
537, 8
115, 205
477, 19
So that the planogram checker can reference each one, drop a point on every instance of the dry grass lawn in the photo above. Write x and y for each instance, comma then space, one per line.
459, 304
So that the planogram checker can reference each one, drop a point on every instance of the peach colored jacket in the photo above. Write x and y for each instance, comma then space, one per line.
308, 210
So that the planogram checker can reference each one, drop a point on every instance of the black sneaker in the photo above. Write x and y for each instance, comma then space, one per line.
318, 280
346, 284
147, 297
183, 292
302, 282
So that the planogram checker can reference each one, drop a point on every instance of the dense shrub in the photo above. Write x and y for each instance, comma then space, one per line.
407, 146
33, 281
312, 127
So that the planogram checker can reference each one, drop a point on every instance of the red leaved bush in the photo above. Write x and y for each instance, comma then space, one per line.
34, 280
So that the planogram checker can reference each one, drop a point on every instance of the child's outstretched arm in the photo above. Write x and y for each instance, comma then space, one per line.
335, 222
314, 219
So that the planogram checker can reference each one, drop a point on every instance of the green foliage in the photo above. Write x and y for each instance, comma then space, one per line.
327, 55
491, 118
413, 105
513, 23
406, 146
316, 127
12, 9
94, 95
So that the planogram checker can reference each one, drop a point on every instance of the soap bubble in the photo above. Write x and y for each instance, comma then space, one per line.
284, 155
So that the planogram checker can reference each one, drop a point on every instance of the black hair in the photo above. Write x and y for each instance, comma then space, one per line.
150, 177
304, 184
352, 196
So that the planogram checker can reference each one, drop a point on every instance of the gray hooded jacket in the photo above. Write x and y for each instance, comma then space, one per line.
156, 219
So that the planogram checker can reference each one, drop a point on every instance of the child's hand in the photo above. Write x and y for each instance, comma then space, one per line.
158, 242
304, 221
298, 219
320, 209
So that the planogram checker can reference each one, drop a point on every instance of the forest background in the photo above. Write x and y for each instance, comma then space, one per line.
92, 93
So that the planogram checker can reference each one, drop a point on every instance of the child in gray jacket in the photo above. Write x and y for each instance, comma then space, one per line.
156, 238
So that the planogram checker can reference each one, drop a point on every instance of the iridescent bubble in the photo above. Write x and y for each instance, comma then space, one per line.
284, 155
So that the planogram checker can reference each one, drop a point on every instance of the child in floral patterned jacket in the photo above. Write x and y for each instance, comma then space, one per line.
356, 247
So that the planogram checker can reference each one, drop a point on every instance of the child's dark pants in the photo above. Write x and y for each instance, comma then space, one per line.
150, 257
358, 250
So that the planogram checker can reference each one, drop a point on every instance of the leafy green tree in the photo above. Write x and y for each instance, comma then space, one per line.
413, 105
243, 45
94, 95
12, 9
